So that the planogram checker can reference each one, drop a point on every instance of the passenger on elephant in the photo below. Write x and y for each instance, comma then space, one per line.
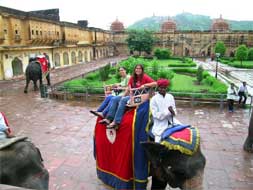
45, 67
114, 94
138, 80
5, 131
163, 109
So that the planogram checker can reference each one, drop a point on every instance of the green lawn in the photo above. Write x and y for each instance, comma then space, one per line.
184, 83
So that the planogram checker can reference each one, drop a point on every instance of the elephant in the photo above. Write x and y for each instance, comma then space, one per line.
248, 144
33, 72
174, 168
21, 165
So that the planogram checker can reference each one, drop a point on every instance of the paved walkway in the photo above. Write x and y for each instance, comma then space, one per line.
64, 133
237, 75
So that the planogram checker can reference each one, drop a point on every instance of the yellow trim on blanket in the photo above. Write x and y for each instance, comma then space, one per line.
182, 149
133, 135
114, 175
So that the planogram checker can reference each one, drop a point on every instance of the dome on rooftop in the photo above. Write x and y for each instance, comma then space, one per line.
220, 25
117, 26
168, 26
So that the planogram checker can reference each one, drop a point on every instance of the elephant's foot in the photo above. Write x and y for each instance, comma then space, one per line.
195, 183
248, 145
25, 91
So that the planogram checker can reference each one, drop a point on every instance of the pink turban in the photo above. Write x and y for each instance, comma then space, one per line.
163, 82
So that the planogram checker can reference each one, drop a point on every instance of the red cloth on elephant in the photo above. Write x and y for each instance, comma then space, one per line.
122, 163
43, 63
6, 121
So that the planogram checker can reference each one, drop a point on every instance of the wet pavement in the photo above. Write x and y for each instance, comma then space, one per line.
64, 133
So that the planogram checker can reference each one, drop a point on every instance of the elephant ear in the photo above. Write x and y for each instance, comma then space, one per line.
153, 151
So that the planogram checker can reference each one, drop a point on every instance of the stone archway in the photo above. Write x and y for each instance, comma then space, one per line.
57, 60
85, 56
65, 58
17, 66
209, 51
73, 57
80, 56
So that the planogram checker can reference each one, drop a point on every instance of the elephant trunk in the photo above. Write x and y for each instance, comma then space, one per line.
195, 183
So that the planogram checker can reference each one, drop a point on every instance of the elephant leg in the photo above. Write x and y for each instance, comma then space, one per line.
48, 79
157, 184
40, 80
35, 85
26, 86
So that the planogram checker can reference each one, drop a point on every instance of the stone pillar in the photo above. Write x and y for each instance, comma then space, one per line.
2, 27
1, 66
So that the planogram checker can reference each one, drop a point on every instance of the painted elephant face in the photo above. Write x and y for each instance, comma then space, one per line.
172, 166
21, 165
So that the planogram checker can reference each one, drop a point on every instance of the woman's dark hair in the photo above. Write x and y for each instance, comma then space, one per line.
121, 67
135, 77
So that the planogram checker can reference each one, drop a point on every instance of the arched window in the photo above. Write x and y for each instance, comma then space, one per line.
17, 66
73, 57
65, 58
57, 59
85, 56
80, 56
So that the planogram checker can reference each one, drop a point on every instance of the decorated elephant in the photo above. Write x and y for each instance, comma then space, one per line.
175, 168
21, 164
33, 72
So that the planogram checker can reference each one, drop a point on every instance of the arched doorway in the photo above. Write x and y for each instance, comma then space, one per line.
73, 57
57, 59
17, 66
65, 58
80, 56
85, 56
209, 51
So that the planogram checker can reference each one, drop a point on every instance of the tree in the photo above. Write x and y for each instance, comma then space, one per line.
220, 48
250, 54
200, 74
141, 41
241, 53
248, 144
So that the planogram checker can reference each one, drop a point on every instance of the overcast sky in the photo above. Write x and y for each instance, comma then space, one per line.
101, 13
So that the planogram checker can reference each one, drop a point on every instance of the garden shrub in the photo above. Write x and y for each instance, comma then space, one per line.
205, 74
104, 72
92, 76
166, 74
162, 53
209, 80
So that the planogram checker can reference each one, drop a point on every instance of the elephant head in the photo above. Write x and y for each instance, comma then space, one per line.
175, 168
21, 165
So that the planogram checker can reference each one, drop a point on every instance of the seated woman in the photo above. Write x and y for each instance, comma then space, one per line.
116, 93
138, 80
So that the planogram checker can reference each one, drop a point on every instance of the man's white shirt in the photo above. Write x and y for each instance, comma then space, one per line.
161, 115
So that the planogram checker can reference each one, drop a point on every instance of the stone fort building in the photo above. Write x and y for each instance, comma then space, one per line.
25, 34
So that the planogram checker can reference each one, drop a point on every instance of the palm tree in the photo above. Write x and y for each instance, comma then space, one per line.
248, 144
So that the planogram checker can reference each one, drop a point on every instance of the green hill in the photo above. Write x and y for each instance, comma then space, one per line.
188, 21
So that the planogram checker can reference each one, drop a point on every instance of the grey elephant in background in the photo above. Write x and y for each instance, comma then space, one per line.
33, 73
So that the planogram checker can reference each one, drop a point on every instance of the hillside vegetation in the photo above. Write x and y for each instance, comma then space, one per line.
188, 21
